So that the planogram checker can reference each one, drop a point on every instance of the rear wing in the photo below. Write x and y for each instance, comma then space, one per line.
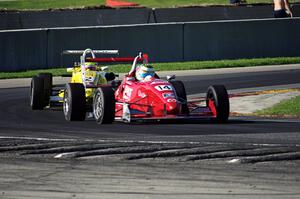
143, 58
79, 52
83, 53
140, 58
83, 58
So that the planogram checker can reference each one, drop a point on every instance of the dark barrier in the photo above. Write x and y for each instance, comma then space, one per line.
211, 13
241, 39
23, 50
99, 17
216, 13
162, 42
72, 18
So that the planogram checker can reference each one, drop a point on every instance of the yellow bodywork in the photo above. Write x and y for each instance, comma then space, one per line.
97, 75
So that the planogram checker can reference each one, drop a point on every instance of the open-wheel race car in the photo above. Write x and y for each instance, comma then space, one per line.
155, 99
75, 97
149, 98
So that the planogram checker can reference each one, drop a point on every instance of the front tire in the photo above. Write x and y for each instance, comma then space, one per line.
218, 102
48, 79
37, 93
74, 103
104, 105
181, 95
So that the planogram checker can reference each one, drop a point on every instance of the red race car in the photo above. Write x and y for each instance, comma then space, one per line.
142, 97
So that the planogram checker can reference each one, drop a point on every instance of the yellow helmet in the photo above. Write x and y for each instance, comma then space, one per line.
91, 65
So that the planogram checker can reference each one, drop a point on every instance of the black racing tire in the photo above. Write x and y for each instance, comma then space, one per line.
37, 93
181, 95
74, 102
48, 81
218, 94
104, 105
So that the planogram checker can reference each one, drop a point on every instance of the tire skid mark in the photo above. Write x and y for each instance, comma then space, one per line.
11, 143
81, 147
184, 152
138, 150
117, 151
32, 146
247, 152
268, 158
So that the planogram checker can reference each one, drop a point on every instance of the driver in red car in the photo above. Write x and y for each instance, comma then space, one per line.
144, 72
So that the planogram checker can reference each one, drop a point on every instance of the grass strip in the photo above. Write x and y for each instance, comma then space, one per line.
59, 4
171, 66
285, 108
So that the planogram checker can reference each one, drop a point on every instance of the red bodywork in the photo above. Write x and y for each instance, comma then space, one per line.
154, 98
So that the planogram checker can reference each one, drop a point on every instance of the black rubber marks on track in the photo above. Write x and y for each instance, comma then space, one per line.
74, 149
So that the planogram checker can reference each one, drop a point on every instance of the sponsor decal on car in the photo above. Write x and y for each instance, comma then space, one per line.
168, 95
171, 100
127, 92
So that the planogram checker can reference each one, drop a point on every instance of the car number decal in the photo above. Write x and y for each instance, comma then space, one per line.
163, 88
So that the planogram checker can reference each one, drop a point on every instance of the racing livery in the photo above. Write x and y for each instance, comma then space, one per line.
95, 91
156, 99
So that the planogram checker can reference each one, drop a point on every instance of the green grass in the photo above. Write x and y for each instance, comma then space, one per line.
171, 66
289, 107
47, 4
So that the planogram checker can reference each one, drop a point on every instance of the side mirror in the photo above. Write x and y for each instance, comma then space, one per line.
104, 68
170, 77
130, 78
70, 70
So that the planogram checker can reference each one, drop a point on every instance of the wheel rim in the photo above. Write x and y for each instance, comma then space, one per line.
31, 95
66, 104
98, 106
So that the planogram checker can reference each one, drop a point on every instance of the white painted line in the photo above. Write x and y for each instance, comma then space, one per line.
236, 160
183, 142
62, 155
148, 141
39, 139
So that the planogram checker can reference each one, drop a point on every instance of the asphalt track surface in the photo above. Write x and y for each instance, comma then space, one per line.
247, 158
16, 118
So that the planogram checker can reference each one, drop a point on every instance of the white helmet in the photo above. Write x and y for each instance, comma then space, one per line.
143, 71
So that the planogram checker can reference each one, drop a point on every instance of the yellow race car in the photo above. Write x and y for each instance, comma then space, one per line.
75, 97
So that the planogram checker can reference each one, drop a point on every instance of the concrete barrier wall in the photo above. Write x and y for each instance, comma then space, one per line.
165, 15
99, 17
31, 49
242, 39
72, 18
162, 42
21, 50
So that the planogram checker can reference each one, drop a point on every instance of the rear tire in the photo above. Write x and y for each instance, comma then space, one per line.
37, 93
104, 105
47, 86
181, 94
74, 102
218, 96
